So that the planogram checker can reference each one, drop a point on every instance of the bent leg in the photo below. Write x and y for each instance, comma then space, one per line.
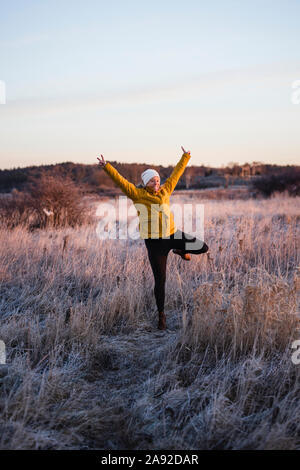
187, 243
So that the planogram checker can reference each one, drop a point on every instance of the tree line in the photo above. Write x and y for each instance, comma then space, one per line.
90, 178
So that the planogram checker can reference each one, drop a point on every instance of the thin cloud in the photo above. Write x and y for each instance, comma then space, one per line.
179, 90
24, 41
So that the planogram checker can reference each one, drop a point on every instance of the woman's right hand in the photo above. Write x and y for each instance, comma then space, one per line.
102, 162
184, 151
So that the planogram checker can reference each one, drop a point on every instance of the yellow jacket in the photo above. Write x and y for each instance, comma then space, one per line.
155, 218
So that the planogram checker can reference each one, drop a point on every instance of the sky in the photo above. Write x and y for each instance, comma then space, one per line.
136, 80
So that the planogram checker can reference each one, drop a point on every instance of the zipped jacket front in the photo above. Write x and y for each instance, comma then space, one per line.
155, 218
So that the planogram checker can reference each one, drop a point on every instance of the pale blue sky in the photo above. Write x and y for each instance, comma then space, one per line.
135, 80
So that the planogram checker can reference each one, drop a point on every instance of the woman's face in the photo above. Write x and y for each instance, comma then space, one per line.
154, 183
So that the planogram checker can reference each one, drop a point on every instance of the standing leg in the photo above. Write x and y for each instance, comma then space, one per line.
158, 261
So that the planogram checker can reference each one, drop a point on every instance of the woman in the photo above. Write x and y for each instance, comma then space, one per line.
156, 223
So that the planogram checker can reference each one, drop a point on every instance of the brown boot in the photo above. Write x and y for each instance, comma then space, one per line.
161, 321
185, 256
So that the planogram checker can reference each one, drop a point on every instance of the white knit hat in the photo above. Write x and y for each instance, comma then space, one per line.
148, 174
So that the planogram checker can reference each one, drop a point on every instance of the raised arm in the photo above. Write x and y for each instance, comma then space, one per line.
128, 188
171, 182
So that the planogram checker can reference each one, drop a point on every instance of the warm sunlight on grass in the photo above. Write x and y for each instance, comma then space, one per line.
87, 368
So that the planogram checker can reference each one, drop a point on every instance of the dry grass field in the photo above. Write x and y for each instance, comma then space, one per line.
88, 369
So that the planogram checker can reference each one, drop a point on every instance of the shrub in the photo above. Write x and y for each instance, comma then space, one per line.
287, 181
50, 202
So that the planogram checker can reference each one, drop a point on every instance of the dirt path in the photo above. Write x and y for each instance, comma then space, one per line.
130, 385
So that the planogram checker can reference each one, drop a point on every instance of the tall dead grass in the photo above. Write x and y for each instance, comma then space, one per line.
87, 368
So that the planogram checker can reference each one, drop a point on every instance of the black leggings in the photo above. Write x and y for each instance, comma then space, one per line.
158, 249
